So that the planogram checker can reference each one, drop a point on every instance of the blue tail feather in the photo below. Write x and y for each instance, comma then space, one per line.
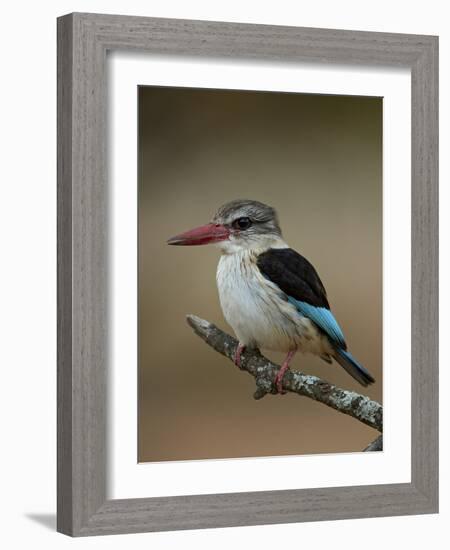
351, 365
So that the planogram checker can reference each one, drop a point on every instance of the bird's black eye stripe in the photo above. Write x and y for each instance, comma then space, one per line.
242, 223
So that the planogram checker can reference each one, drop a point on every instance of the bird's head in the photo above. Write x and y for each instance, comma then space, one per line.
237, 225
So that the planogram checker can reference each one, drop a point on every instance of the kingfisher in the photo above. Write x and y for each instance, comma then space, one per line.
270, 294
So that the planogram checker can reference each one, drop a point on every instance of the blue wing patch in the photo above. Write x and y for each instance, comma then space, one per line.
323, 319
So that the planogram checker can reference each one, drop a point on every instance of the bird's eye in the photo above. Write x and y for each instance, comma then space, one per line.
242, 223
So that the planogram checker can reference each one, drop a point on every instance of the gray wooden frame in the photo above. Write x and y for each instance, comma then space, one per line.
83, 40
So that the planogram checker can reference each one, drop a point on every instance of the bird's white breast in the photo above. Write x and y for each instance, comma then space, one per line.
258, 311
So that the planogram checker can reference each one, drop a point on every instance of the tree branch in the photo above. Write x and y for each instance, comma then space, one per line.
376, 445
264, 371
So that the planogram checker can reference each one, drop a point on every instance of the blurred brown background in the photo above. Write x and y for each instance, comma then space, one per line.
318, 160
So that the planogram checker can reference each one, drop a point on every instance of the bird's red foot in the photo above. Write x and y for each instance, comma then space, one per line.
280, 374
237, 354
279, 379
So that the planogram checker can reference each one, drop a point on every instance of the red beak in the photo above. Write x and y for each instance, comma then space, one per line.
206, 234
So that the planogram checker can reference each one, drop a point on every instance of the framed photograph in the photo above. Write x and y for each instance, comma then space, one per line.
247, 274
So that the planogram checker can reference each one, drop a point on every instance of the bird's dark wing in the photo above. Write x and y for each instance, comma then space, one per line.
298, 279
294, 275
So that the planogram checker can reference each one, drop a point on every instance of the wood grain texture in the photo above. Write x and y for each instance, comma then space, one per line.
83, 40
425, 288
64, 299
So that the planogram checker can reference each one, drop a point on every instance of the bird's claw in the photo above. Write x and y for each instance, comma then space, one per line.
279, 386
279, 380
237, 355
